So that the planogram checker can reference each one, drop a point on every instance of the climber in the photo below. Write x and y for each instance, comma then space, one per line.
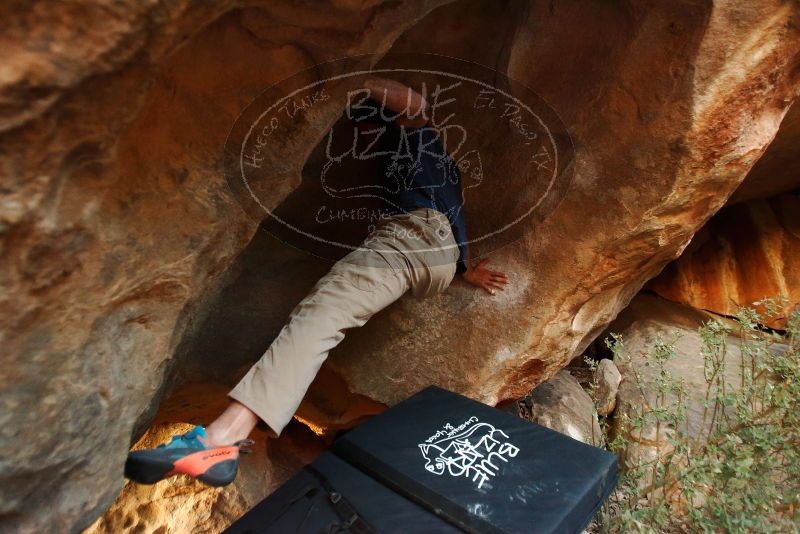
418, 248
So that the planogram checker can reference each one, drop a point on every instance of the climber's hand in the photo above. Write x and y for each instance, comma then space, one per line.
480, 276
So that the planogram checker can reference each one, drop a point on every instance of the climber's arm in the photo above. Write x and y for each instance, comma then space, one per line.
477, 275
401, 99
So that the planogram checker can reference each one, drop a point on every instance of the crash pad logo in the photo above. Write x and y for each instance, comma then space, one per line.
309, 161
472, 450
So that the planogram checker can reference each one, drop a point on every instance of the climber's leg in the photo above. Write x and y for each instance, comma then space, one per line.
358, 286
235, 423
412, 251
344, 298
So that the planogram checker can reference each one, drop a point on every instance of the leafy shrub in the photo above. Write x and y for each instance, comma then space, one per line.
741, 472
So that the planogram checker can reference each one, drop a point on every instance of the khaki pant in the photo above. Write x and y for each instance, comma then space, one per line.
412, 251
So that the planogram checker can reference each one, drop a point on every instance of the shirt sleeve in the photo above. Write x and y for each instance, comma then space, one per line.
459, 224
460, 234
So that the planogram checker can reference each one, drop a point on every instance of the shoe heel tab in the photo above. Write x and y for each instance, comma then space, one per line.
242, 444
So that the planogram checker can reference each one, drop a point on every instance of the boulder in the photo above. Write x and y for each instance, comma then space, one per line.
608, 379
116, 221
561, 404
614, 229
119, 233
747, 252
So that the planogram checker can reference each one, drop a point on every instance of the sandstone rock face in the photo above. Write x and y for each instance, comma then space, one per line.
115, 217
778, 170
608, 380
117, 228
561, 404
747, 252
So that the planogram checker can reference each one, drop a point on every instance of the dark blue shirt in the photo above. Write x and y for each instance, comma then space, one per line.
420, 171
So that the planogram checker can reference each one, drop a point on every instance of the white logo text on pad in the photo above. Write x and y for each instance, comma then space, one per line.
472, 449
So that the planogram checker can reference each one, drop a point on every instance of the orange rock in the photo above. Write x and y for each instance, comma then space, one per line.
747, 252
778, 170
118, 230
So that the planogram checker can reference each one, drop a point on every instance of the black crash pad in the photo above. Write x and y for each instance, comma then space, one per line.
440, 462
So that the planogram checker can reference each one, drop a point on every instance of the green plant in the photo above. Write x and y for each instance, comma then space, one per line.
739, 469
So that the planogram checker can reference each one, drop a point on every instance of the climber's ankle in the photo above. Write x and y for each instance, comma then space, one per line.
234, 424
217, 438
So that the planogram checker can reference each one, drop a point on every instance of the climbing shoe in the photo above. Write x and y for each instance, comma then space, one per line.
185, 454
